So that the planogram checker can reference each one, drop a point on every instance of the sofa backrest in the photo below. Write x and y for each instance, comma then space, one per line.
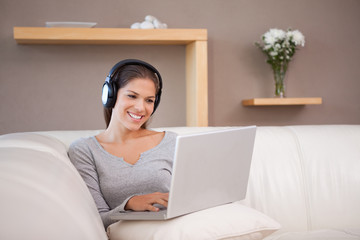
276, 183
330, 161
307, 177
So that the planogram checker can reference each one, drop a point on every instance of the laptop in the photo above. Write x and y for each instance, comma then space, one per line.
210, 169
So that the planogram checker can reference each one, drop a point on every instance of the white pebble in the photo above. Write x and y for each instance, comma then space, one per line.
150, 18
135, 25
146, 25
157, 23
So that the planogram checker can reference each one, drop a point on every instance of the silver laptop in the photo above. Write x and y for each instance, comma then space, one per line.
210, 169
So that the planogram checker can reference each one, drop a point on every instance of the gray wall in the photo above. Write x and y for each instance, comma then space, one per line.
58, 87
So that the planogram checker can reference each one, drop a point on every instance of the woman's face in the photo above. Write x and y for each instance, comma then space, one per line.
135, 103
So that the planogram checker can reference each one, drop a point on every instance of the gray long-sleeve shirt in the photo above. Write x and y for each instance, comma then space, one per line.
112, 181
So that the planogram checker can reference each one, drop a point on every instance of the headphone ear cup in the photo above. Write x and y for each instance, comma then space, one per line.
109, 94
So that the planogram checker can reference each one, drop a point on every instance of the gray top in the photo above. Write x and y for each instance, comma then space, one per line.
112, 181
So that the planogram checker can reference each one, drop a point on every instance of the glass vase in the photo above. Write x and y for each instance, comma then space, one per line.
279, 77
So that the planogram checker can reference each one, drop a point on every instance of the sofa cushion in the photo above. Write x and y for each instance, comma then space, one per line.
230, 221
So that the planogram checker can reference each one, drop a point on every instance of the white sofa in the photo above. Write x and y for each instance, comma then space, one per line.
307, 178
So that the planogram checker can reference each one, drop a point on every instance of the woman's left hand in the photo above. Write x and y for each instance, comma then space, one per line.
146, 202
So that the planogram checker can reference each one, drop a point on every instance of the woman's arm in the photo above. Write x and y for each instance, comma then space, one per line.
86, 167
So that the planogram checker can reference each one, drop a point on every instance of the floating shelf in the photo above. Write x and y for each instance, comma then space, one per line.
281, 101
195, 41
44, 35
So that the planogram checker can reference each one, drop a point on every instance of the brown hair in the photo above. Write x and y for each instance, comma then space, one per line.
123, 76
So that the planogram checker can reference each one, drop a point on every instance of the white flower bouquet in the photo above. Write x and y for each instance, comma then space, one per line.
279, 47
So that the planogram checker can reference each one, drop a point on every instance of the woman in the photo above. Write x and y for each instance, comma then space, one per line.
127, 167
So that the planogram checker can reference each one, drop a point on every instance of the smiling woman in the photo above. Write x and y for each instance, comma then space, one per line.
120, 75
124, 165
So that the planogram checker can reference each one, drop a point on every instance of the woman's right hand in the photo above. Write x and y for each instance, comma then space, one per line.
146, 202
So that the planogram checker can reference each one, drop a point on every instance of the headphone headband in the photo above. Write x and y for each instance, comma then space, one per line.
109, 90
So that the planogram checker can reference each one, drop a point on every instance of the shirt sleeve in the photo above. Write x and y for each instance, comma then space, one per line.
80, 156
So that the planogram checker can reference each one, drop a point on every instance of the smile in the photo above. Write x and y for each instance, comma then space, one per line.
134, 116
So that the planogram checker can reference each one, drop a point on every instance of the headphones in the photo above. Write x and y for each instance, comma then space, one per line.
109, 89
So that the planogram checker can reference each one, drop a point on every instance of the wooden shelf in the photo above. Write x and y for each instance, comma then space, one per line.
281, 101
196, 54
43, 35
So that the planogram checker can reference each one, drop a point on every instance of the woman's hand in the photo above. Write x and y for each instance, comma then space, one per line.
145, 202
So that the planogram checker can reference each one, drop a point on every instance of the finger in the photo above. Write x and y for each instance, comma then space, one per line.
160, 201
163, 202
164, 196
156, 197
151, 208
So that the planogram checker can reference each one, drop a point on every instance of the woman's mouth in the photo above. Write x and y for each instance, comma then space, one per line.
135, 116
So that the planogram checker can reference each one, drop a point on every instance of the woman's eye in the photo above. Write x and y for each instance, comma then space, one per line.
150, 101
131, 96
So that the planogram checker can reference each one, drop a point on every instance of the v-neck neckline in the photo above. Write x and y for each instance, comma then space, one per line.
122, 158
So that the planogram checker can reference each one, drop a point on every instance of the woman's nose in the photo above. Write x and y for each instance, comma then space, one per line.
140, 105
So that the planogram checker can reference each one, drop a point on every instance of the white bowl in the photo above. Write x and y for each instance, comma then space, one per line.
71, 24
